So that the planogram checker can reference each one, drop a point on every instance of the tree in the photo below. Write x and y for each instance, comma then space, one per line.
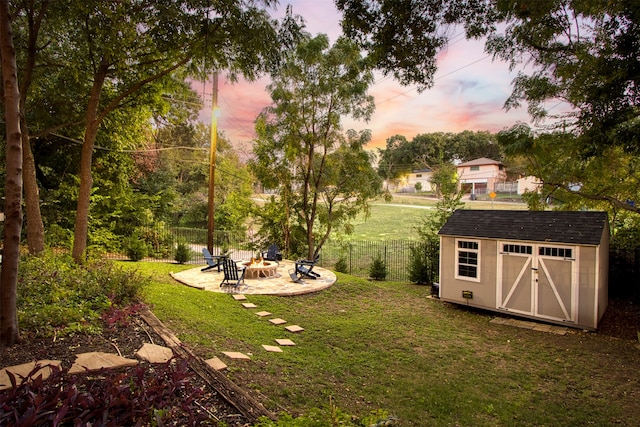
584, 53
130, 52
323, 179
9, 332
403, 38
609, 181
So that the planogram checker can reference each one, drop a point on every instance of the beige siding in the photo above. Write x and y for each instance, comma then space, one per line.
484, 292
592, 272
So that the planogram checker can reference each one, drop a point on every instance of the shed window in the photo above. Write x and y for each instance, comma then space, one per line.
555, 252
517, 249
418, 175
467, 256
474, 168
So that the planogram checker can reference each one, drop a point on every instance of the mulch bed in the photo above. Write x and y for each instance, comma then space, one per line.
124, 340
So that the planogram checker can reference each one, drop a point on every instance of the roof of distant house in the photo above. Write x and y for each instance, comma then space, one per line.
421, 170
479, 162
574, 227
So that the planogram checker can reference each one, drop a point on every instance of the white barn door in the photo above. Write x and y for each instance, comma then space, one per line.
538, 280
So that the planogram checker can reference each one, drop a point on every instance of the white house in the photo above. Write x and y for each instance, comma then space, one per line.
422, 176
479, 176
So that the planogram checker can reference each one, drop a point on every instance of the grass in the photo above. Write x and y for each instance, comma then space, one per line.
388, 345
399, 218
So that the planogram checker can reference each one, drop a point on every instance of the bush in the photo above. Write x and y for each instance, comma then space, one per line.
341, 265
57, 296
135, 248
183, 253
163, 396
421, 265
378, 269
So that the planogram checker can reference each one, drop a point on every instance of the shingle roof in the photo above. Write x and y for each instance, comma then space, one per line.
583, 228
479, 162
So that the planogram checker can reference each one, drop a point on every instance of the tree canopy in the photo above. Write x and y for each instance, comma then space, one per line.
323, 178
579, 57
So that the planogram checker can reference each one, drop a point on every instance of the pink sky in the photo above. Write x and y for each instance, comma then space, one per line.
468, 93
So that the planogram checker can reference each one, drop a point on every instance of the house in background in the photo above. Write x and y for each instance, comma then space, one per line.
546, 265
479, 176
528, 184
421, 176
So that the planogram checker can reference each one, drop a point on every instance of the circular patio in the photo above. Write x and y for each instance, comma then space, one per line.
279, 284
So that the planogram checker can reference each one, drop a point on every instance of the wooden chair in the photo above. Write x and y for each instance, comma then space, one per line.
233, 275
213, 261
272, 253
304, 268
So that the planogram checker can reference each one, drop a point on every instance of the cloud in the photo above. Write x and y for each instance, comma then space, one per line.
468, 93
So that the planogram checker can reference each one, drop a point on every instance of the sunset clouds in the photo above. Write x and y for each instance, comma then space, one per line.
468, 93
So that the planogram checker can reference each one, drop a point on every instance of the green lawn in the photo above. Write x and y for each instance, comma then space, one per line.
399, 218
387, 345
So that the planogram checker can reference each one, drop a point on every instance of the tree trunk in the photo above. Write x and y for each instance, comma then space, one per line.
9, 332
35, 227
81, 229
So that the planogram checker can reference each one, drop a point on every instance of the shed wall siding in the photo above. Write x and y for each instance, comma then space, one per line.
484, 293
587, 286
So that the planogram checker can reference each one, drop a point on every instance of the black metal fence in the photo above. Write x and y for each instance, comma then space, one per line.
357, 257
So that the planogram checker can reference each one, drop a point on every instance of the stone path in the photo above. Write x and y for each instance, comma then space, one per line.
152, 353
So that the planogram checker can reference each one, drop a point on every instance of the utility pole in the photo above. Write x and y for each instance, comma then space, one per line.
212, 163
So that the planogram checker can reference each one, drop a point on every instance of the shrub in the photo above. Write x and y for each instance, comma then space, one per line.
133, 396
378, 269
57, 296
183, 253
421, 263
135, 248
341, 265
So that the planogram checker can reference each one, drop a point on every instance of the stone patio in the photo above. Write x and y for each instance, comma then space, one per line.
280, 284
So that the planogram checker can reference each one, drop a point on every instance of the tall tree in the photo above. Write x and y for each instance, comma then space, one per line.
34, 15
9, 332
323, 177
130, 47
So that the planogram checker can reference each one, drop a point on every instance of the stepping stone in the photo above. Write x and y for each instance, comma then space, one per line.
239, 297
216, 364
96, 360
285, 341
277, 321
263, 313
236, 355
272, 348
25, 369
249, 305
294, 328
154, 353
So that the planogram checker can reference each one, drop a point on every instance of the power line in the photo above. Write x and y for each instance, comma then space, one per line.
437, 78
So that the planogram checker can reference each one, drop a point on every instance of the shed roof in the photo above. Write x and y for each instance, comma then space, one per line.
582, 228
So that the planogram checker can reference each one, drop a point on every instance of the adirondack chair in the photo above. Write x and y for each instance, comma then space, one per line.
233, 275
272, 253
213, 261
304, 269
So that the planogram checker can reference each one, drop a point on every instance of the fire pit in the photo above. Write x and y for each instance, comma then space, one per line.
256, 269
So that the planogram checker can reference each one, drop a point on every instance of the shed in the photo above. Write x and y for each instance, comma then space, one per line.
546, 265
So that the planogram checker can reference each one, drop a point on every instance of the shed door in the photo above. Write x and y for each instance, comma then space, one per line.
538, 280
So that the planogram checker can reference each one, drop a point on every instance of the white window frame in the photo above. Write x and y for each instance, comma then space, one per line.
457, 264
